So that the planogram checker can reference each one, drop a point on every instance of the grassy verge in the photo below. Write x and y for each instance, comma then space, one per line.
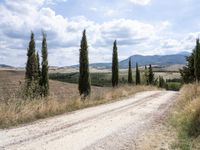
15, 112
185, 118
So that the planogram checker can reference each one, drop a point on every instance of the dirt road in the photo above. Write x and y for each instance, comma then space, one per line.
111, 127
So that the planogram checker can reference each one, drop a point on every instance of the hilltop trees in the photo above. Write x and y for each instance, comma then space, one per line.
35, 79
115, 68
151, 75
130, 78
44, 80
137, 77
84, 76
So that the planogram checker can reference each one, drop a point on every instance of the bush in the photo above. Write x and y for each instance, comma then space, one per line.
173, 86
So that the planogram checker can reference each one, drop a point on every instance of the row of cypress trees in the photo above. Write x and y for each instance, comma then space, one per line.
84, 85
36, 78
148, 75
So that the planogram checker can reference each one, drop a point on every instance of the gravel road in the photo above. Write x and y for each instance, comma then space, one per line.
111, 126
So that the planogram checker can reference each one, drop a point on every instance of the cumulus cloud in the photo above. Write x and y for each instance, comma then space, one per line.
20, 17
141, 2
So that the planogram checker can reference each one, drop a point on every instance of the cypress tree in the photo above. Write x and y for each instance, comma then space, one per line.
137, 80
84, 75
44, 82
146, 78
115, 66
197, 61
151, 75
188, 71
161, 82
31, 65
38, 65
130, 78
31, 74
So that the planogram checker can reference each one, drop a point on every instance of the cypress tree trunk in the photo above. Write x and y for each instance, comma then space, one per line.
130, 78
137, 81
84, 75
115, 68
151, 75
44, 74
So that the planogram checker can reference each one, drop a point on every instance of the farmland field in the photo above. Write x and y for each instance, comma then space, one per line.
103, 79
12, 80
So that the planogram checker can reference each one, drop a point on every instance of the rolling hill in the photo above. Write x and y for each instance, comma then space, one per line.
156, 60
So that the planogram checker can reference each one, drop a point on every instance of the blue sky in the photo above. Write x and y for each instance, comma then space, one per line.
140, 26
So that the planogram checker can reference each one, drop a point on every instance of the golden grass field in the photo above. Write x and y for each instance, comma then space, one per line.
64, 97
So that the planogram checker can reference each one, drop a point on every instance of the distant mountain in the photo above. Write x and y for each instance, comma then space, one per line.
156, 60
5, 66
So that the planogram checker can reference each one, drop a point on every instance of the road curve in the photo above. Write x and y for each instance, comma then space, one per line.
110, 126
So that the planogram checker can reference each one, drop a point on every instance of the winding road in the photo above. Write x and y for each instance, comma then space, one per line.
112, 126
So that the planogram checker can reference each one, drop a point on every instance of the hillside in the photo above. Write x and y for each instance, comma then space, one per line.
174, 62
156, 60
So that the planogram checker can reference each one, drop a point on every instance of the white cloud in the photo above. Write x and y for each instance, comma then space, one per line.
140, 2
53, 2
94, 9
64, 34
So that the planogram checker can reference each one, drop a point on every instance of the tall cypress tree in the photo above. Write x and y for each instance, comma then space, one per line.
84, 75
115, 66
130, 78
38, 65
137, 80
31, 74
146, 76
161, 82
44, 73
151, 75
197, 61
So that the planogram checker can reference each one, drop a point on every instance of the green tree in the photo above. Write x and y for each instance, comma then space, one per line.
31, 65
38, 65
31, 74
84, 75
188, 71
115, 66
130, 78
197, 61
151, 75
161, 82
44, 82
137, 80
146, 75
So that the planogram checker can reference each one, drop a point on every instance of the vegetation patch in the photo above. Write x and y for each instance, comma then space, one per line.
186, 118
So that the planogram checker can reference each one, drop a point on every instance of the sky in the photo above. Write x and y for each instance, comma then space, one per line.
146, 27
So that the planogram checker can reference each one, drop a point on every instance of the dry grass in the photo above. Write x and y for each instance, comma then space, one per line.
186, 117
64, 98
20, 111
